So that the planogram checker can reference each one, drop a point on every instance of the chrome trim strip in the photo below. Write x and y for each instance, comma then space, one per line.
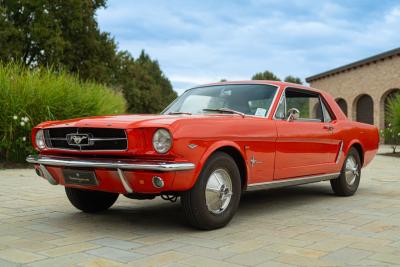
273, 102
124, 181
340, 152
47, 175
293, 181
112, 164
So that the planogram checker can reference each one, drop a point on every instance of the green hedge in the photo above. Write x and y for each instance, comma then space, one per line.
28, 97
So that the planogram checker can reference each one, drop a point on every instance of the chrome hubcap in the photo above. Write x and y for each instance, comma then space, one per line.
351, 170
218, 191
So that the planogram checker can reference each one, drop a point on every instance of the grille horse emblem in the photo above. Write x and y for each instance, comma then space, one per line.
78, 139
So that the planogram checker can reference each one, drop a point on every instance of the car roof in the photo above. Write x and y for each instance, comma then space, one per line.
276, 83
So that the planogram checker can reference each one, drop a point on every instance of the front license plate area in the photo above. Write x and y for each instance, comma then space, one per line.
80, 177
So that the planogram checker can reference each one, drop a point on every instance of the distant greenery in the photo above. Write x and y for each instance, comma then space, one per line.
391, 133
292, 79
268, 75
64, 35
28, 97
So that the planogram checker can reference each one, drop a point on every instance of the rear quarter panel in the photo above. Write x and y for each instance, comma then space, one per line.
367, 136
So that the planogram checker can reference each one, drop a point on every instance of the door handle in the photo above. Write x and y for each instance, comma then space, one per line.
328, 127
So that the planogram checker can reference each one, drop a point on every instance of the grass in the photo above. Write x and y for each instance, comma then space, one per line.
28, 97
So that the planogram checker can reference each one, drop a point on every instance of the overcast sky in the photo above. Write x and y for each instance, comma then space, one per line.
204, 41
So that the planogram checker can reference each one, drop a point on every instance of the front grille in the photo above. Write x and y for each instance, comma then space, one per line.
86, 139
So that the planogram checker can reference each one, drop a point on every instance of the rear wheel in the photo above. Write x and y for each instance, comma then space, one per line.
214, 199
90, 201
347, 183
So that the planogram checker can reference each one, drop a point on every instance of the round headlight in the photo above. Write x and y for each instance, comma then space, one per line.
162, 141
39, 139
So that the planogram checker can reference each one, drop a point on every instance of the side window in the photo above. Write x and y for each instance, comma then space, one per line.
308, 103
327, 115
281, 111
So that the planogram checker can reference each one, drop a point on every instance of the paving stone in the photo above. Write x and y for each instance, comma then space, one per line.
115, 254
253, 258
203, 261
217, 254
4, 263
115, 243
201, 242
160, 259
386, 258
69, 249
66, 260
347, 255
297, 226
159, 247
19, 256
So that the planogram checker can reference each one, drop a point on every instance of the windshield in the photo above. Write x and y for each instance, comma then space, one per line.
250, 99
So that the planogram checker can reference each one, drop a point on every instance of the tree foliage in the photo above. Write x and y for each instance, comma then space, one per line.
391, 133
292, 79
144, 85
266, 75
64, 34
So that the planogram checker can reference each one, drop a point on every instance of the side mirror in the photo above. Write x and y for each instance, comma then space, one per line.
294, 114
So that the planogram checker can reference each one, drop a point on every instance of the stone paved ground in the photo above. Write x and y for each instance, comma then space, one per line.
299, 226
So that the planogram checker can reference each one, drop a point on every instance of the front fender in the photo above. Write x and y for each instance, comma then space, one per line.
208, 152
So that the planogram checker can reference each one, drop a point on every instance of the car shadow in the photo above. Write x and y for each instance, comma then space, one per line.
158, 216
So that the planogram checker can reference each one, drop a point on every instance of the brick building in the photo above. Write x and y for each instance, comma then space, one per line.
362, 88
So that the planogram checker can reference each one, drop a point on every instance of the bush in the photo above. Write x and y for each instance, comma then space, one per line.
28, 97
392, 132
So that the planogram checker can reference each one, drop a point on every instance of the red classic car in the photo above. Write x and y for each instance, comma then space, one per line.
210, 145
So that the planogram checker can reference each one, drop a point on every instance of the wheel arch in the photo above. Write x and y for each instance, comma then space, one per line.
233, 150
357, 145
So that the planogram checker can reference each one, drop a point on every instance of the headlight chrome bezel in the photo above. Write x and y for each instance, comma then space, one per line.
39, 139
162, 141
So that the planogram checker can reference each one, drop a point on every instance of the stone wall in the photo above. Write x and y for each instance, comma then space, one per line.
376, 79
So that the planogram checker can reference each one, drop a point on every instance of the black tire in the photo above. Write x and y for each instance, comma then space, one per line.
90, 201
194, 200
341, 185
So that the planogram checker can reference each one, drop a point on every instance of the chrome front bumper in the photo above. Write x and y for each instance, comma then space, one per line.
110, 163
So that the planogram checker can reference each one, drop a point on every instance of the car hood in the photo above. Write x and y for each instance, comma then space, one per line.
131, 121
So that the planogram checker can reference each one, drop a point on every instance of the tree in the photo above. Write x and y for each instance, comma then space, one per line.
292, 79
64, 34
57, 33
266, 75
145, 87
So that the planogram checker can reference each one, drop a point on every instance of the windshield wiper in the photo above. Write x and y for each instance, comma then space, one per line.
177, 113
225, 110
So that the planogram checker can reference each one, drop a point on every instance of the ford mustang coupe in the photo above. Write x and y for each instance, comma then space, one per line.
210, 145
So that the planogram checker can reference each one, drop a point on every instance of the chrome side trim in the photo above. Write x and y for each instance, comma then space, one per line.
123, 181
47, 175
293, 181
340, 152
112, 164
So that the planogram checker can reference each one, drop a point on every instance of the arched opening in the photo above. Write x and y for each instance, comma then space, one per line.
384, 111
365, 109
342, 104
385, 100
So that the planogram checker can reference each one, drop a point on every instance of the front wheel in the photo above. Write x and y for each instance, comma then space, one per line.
90, 201
214, 199
347, 183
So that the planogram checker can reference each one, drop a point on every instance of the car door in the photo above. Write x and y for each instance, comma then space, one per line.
304, 146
